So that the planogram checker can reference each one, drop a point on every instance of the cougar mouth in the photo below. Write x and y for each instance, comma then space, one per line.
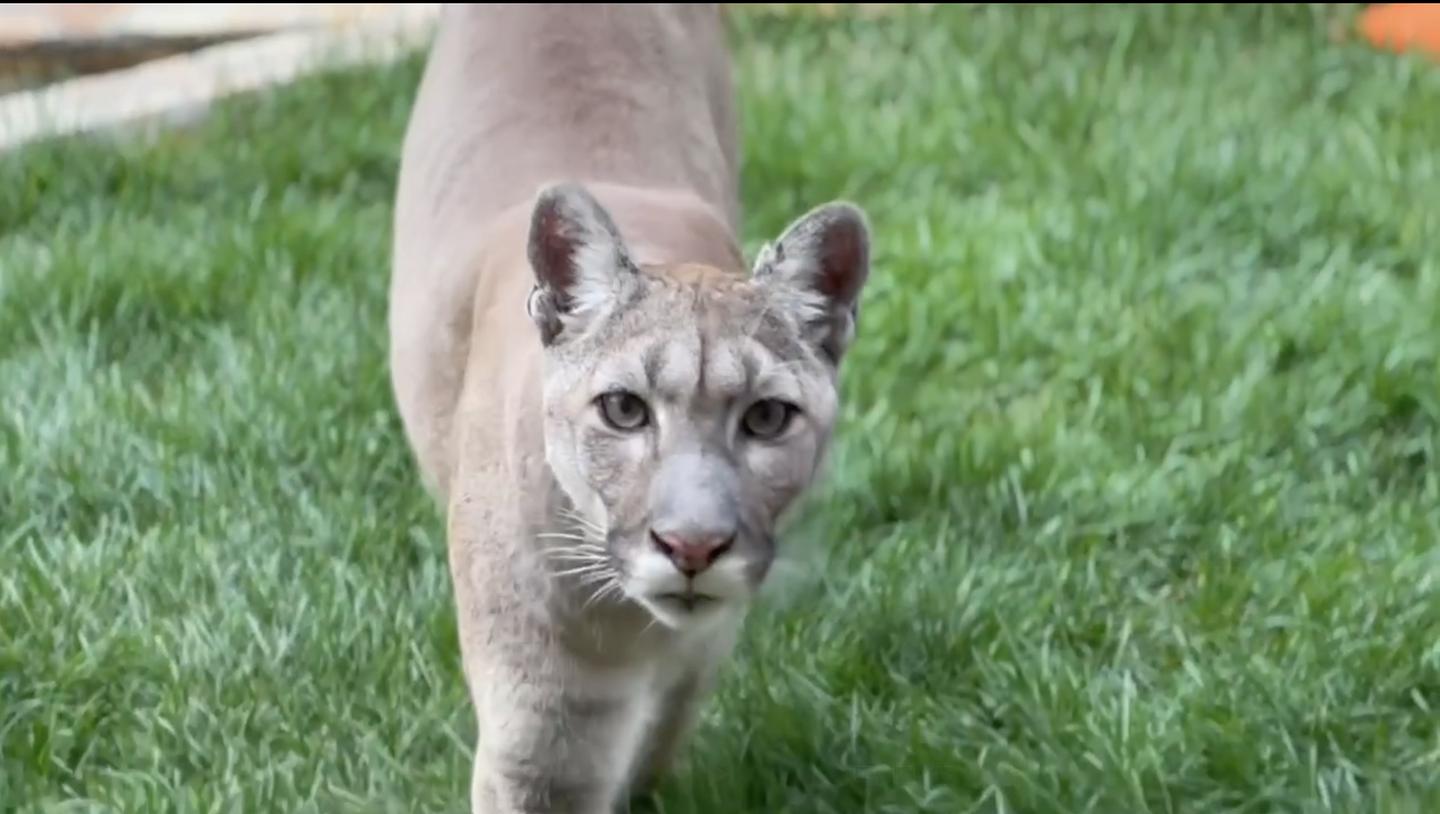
689, 600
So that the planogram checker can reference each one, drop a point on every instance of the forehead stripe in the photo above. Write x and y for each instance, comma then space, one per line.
652, 361
673, 372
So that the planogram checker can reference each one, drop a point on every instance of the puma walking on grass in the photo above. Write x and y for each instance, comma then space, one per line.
614, 412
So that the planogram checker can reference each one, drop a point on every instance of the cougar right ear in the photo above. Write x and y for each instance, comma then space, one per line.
820, 265
579, 259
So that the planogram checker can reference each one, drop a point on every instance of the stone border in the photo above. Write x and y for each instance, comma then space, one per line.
184, 86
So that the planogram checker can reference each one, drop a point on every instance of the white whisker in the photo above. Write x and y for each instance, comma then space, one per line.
592, 568
560, 535
604, 590
576, 553
578, 518
583, 548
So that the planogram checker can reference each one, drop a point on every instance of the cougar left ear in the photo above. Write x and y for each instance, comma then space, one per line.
578, 258
822, 262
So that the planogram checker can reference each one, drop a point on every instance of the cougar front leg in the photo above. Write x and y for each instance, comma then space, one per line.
549, 742
678, 710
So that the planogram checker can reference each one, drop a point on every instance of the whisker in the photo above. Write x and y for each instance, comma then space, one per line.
573, 551
583, 548
561, 535
579, 542
579, 559
599, 577
601, 581
576, 556
602, 591
590, 568
583, 565
583, 522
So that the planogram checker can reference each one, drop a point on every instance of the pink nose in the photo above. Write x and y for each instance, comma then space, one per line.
692, 553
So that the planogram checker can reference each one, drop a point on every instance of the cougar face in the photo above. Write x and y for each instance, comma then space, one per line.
686, 408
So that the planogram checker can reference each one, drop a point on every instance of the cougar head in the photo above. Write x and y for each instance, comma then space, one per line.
687, 407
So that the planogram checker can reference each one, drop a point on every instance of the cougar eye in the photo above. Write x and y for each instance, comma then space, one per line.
623, 410
767, 418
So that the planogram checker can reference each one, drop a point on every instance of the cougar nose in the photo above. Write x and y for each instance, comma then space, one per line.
692, 553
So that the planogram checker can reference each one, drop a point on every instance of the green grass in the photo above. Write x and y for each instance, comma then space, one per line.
1135, 506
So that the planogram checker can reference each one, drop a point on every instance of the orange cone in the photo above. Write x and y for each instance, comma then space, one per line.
1403, 27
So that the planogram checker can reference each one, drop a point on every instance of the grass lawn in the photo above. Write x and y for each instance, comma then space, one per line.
1135, 506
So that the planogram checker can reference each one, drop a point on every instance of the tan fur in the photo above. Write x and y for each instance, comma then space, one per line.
584, 675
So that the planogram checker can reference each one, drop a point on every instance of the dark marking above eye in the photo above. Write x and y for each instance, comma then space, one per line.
779, 338
750, 363
704, 354
651, 361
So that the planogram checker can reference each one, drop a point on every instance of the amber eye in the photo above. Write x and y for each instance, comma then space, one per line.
624, 411
767, 419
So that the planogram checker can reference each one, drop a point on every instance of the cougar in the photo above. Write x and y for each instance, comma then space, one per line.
614, 412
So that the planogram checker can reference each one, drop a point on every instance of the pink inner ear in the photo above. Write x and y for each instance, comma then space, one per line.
842, 262
553, 251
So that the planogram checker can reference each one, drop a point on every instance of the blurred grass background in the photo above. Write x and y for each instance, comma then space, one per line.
1134, 508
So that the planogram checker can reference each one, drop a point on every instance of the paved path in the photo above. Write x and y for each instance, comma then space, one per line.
276, 43
26, 24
